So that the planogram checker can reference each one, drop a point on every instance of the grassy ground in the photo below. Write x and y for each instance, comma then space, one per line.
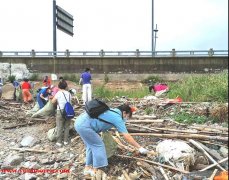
204, 88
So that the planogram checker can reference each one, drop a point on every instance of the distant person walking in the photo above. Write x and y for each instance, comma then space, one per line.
17, 88
85, 79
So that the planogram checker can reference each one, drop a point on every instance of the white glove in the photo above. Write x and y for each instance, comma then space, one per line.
143, 150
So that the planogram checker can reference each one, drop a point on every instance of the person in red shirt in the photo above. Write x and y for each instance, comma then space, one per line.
47, 81
25, 86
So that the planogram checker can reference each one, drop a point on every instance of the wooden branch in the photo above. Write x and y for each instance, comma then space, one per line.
38, 119
202, 149
147, 166
215, 164
143, 127
146, 121
152, 162
183, 136
31, 150
126, 175
163, 173
188, 131
145, 172
215, 129
18, 125
75, 139
144, 117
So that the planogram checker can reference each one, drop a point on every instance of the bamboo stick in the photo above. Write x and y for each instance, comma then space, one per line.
186, 131
32, 150
202, 149
152, 162
143, 127
145, 172
203, 127
126, 175
146, 121
163, 173
194, 136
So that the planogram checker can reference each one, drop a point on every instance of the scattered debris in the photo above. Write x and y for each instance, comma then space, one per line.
179, 151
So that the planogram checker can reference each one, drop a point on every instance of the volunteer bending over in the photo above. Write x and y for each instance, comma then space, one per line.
88, 129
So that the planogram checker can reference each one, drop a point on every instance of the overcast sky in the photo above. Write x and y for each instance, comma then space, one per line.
115, 25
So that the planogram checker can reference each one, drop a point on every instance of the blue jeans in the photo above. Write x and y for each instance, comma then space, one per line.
40, 101
95, 149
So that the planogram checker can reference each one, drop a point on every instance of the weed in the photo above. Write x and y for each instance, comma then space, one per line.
11, 78
187, 118
204, 88
148, 111
103, 92
106, 79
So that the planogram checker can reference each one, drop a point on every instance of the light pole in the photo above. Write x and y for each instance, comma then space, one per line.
54, 28
152, 27
155, 36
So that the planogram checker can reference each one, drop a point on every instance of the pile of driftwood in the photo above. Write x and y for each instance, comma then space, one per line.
13, 114
208, 140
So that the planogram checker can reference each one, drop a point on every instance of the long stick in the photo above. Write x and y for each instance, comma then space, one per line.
146, 121
126, 175
163, 173
152, 162
184, 136
31, 150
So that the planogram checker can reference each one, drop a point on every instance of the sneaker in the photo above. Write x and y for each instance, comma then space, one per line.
59, 144
89, 173
65, 143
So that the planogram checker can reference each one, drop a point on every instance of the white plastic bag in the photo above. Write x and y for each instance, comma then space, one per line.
51, 134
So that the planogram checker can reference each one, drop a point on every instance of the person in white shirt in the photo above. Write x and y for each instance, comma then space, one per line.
62, 125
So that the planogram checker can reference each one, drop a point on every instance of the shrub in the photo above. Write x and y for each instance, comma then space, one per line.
11, 78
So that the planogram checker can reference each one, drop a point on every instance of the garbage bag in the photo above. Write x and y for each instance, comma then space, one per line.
51, 134
47, 110
110, 144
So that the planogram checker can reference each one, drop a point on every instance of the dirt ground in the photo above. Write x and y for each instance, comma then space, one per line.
15, 125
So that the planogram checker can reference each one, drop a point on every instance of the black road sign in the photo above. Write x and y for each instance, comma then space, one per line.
64, 21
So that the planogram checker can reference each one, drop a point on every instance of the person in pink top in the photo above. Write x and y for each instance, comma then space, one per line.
54, 90
159, 89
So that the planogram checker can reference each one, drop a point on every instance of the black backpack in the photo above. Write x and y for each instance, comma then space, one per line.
96, 107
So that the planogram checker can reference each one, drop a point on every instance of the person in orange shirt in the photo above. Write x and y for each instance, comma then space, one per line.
25, 86
47, 81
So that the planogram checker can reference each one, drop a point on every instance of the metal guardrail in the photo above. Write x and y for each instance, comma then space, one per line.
102, 53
